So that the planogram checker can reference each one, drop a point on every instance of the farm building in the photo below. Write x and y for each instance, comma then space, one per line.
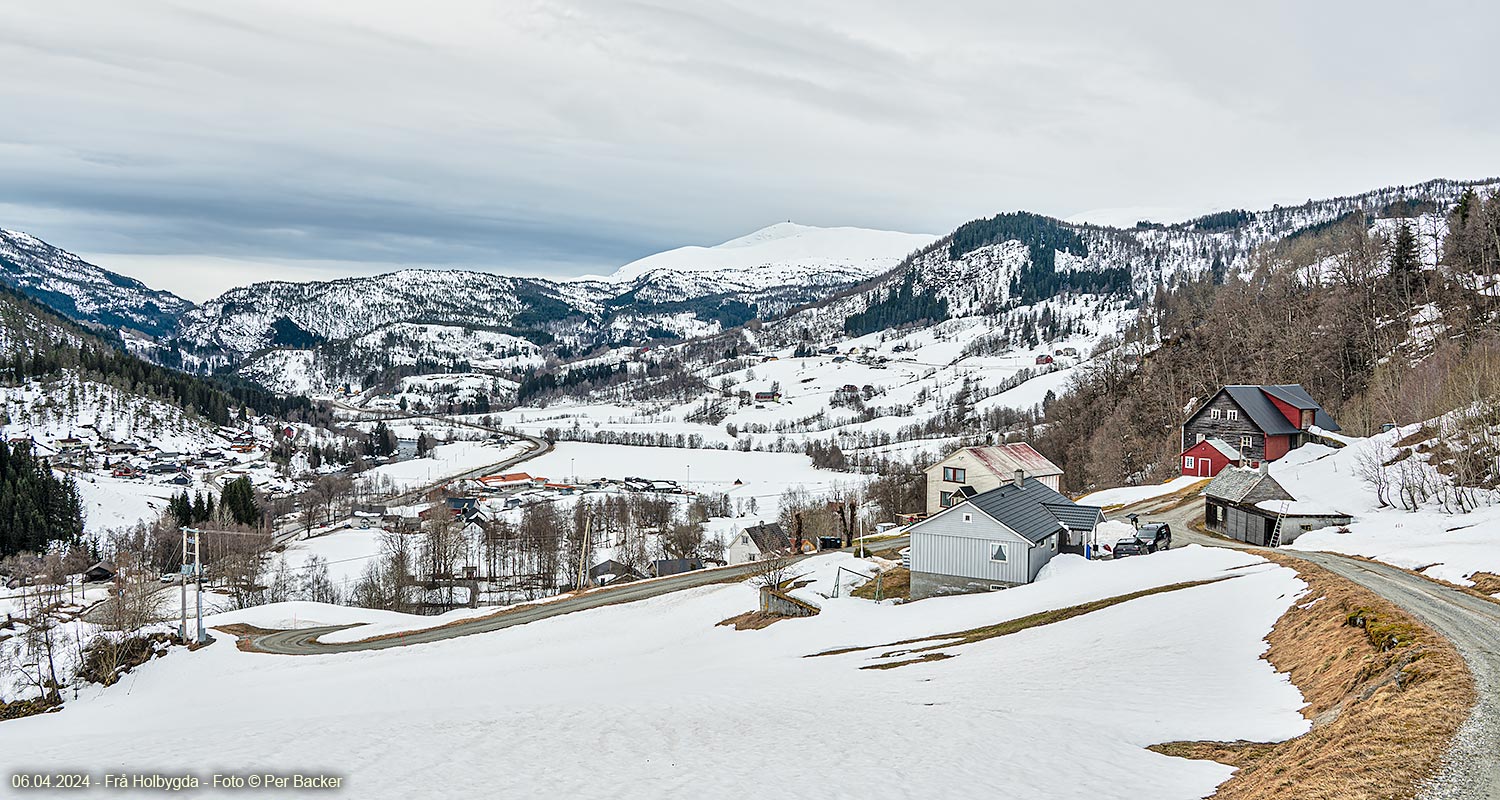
1261, 423
998, 539
1247, 504
973, 470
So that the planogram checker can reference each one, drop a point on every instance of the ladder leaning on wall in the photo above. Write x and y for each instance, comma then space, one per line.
1276, 532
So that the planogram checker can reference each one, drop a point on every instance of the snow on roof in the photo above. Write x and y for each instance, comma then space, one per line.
1299, 508
1229, 451
1005, 459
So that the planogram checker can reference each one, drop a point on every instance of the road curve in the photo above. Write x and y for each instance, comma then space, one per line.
1471, 768
304, 641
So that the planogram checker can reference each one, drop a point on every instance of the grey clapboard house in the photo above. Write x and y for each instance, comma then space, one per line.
995, 540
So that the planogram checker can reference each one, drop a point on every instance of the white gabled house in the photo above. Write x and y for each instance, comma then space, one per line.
756, 542
969, 471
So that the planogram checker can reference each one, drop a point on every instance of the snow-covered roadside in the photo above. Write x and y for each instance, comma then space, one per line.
1446, 546
446, 460
669, 705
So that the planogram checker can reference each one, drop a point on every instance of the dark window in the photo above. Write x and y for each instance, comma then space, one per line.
945, 499
954, 474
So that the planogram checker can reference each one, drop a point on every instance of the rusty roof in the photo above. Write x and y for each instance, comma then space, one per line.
1005, 459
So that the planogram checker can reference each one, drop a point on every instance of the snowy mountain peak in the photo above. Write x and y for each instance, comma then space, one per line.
787, 244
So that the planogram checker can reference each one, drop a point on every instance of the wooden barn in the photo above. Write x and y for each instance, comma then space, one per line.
1251, 506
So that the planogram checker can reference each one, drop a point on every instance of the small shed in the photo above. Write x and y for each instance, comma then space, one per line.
1248, 504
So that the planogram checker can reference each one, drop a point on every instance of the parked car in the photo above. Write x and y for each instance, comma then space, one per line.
1149, 538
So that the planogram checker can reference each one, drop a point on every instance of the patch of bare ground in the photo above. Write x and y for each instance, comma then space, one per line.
1385, 695
1164, 502
972, 635
1474, 590
893, 583
752, 620
919, 660
243, 634
1486, 583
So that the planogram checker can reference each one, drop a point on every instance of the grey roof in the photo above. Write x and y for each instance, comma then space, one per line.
1234, 484
1032, 509
1076, 517
674, 566
1256, 401
769, 537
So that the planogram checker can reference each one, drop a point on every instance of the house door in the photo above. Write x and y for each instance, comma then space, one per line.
1205, 468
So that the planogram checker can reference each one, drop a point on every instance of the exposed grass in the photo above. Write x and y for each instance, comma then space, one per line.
1385, 695
894, 583
28, 708
920, 660
972, 635
1486, 583
752, 620
1166, 502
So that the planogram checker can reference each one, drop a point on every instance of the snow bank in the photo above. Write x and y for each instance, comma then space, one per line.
1129, 495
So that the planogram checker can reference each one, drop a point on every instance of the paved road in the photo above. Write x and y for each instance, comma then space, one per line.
304, 641
1472, 766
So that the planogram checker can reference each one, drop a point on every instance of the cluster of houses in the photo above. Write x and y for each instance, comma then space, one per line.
995, 515
87, 450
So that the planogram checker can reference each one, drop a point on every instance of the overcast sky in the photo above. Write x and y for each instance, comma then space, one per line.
202, 145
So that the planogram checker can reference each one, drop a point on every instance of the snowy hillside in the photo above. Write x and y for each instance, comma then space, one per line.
84, 292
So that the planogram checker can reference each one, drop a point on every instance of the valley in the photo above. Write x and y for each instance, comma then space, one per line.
564, 497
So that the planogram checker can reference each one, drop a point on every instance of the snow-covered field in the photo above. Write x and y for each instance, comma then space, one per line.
1129, 495
651, 699
445, 460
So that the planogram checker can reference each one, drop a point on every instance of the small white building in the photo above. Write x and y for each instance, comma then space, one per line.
755, 543
974, 470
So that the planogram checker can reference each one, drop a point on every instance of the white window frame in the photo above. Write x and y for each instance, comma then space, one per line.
968, 518
1246, 442
999, 547
1232, 415
1213, 413
1187, 462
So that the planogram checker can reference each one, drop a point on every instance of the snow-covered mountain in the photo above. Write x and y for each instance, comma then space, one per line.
682, 293
780, 254
82, 291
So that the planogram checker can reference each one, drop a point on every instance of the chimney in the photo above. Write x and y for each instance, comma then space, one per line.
1265, 467
1020, 477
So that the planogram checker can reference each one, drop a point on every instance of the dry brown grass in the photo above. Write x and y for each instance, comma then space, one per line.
1166, 502
1486, 583
1385, 695
752, 620
894, 583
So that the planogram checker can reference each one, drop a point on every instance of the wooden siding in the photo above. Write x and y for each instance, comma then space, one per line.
1207, 461
946, 545
1230, 430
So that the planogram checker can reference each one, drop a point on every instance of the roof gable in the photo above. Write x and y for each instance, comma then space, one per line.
768, 537
1242, 484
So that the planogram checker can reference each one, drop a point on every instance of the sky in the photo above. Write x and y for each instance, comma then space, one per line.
199, 146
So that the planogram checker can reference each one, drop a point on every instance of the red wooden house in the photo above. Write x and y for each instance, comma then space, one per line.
1250, 424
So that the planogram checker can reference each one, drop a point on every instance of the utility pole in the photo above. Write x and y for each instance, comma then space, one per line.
182, 585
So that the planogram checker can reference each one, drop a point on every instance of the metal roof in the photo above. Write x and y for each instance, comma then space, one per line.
1005, 459
1256, 402
1032, 509
1076, 517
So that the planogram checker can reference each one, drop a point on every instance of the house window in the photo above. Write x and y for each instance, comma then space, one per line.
1213, 413
968, 518
1245, 443
744, 539
945, 499
997, 551
1187, 462
1307, 419
1054, 544
1232, 414
954, 474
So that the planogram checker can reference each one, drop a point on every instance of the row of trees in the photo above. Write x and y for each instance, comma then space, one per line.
37, 508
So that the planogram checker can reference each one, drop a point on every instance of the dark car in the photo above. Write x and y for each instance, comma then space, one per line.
1149, 538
